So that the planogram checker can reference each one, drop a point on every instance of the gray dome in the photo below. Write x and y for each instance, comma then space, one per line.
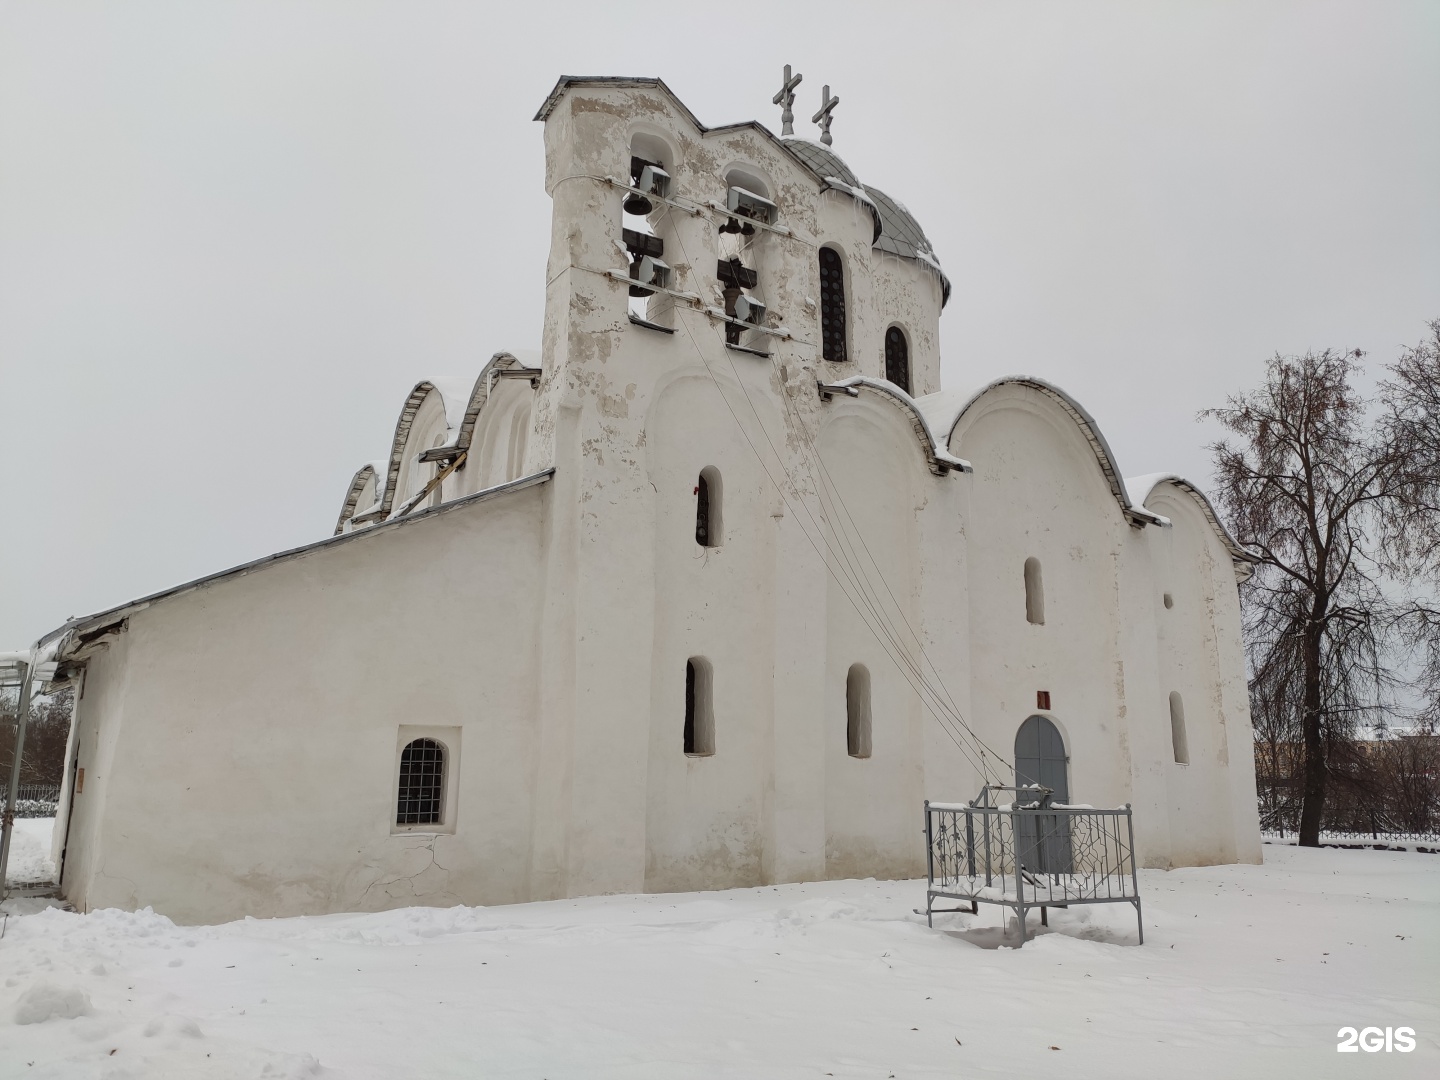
823, 161
901, 234
898, 231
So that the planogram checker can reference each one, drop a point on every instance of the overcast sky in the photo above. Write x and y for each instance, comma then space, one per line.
232, 237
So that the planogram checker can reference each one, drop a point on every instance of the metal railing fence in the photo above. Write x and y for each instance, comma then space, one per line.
1029, 853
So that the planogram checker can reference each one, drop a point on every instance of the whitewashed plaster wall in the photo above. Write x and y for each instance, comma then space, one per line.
1037, 492
242, 736
706, 817
1212, 815
94, 733
871, 825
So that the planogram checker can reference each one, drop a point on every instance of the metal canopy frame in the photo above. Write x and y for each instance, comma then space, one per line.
14, 672
1028, 853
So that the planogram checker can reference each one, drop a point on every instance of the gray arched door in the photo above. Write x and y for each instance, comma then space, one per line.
1040, 758
1043, 839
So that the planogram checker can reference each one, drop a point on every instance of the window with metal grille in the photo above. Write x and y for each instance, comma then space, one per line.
897, 358
832, 306
421, 799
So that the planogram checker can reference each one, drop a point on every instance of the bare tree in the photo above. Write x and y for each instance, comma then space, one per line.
1411, 424
1300, 485
47, 729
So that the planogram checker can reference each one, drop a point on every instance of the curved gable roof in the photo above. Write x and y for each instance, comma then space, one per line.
937, 453
947, 414
408, 412
1140, 488
363, 475
462, 400
480, 394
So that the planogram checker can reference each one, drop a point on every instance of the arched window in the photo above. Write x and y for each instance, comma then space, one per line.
1177, 729
897, 358
1034, 593
857, 711
709, 527
421, 798
699, 713
832, 306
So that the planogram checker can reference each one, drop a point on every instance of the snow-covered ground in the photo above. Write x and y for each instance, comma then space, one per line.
1246, 971
30, 851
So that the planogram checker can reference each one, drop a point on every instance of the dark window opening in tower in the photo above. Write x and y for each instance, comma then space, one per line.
832, 306
897, 358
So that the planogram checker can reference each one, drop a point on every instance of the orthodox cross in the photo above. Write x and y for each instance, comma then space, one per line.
786, 99
823, 117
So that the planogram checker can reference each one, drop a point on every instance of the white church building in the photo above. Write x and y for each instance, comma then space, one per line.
713, 590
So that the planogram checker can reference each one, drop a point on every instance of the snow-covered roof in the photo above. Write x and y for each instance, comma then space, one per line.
1140, 488
937, 451
945, 409
454, 391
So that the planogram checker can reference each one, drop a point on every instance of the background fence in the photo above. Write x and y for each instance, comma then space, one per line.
34, 800
1377, 791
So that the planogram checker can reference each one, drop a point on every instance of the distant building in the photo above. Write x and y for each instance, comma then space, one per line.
704, 594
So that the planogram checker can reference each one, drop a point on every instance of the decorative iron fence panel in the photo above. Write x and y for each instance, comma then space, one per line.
1028, 854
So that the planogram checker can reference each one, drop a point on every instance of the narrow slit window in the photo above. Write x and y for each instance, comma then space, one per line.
832, 306
699, 715
1034, 593
857, 711
421, 798
897, 358
1177, 729
709, 528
